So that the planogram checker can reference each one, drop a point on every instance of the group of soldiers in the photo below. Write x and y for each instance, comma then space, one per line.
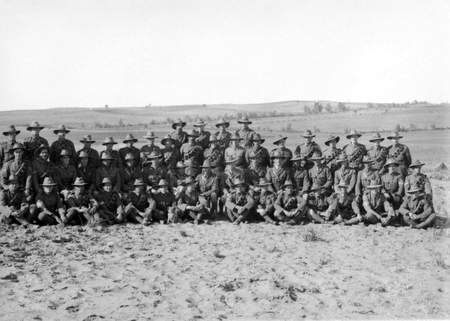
198, 176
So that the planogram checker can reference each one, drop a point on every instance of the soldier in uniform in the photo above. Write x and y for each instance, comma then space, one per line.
137, 204
65, 173
189, 204
290, 207
202, 138
155, 171
171, 154
129, 148
277, 175
5, 147
239, 202
300, 175
265, 199
49, 208
258, 159
86, 171
109, 142
20, 169
320, 174
355, 151
393, 184
308, 148
316, 202
108, 170
340, 206
33, 142
108, 207
232, 172
94, 157
150, 147
163, 203
365, 177
235, 152
14, 206
192, 152
280, 142
178, 135
209, 187
223, 136
345, 174
130, 172
245, 131
418, 178
378, 153
417, 210
178, 175
400, 153
376, 208
332, 153
215, 155
62, 143
78, 204
41, 168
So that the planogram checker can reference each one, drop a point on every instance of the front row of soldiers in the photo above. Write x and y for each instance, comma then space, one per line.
305, 191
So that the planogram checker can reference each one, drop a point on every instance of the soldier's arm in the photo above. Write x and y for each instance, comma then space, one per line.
404, 209
250, 203
229, 204
400, 191
358, 187
4, 176
352, 183
368, 208
329, 181
407, 157
426, 211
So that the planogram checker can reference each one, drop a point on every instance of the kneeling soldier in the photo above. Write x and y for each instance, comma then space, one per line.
162, 204
418, 178
137, 205
49, 208
239, 203
340, 208
79, 204
417, 209
108, 208
376, 208
289, 206
189, 205
265, 200
14, 206
392, 183
317, 203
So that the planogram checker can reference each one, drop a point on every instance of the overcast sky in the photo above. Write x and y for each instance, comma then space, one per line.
132, 53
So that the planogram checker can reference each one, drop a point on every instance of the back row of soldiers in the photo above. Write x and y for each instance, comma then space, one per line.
198, 176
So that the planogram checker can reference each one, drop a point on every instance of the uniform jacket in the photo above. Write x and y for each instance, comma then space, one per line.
31, 144
355, 154
58, 145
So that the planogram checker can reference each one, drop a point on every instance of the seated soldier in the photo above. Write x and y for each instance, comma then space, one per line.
49, 208
290, 207
239, 203
265, 200
86, 171
365, 177
114, 154
108, 208
20, 169
150, 147
137, 205
130, 172
189, 206
340, 206
170, 153
108, 170
375, 207
392, 182
317, 202
346, 174
208, 183
418, 178
78, 204
154, 171
278, 174
14, 205
320, 174
41, 168
65, 173
92, 154
258, 159
215, 155
417, 210
301, 180
162, 204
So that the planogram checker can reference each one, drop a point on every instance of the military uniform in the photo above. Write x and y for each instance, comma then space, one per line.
111, 172
65, 176
179, 137
152, 176
265, 204
235, 172
331, 157
162, 205
237, 154
400, 153
355, 154
117, 160
340, 208
193, 154
135, 204
129, 175
78, 207
49, 208
171, 156
308, 149
290, 208
147, 150
41, 169
196, 209
23, 173
216, 158
418, 180
5, 152
377, 203
209, 186
31, 145
108, 207
130, 150
421, 209
278, 176
239, 205
93, 155
393, 185
88, 174
258, 159
321, 177
223, 139
58, 145
346, 175
379, 156
246, 134
364, 178
286, 154
14, 207
203, 139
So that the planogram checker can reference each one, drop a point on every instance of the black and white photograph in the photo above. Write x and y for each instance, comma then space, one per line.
224, 160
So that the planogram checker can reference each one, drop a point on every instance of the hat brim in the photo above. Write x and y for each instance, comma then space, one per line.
175, 124
105, 159
309, 136
353, 135
134, 140
394, 137
223, 124
390, 164
376, 139
262, 140
316, 158
30, 128
244, 122
109, 143
374, 186
164, 140
140, 184
9, 132
56, 131
155, 157
80, 184
52, 184
414, 191
279, 140
199, 125
87, 141
416, 165
150, 137
342, 186
335, 139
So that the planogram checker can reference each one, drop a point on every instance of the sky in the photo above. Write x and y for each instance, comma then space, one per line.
60, 53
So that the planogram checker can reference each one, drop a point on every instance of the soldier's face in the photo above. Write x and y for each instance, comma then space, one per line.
206, 170
109, 146
289, 190
87, 145
353, 139
36, 132
416, 170
257, 143
47, 189
178, 127
309, 139
65, 160
151, 141
241, 188
396, 141
391, 169
140, 188
84, 161
44, 154
342, 191
18, 153
190, 188
107, 187
344, 165
79, 189
164, 189
61, 134
155, 162
276, 162
191, 139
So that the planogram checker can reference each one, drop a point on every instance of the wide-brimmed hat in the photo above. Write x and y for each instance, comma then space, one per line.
257, 138
11, 130
279, 139
109, 141
180, 164
299, 157
163, 182
87, 139
166, 139
35, 125
416, 163
17, 146
367, 159
238, 182
353, 133
48, 181
138, 182
308, 133
200, 123
61, 129
373, 186
150, 135
278, 154
130, 138
236, 136
42, 147
316, 188
415, 189
178, 122
395, 135
391, 162
64, 153
223, 122
244, 120
106, 180
79, 181
107, 156
342, 184
129, 156
288, 182
316, 156
331, 138
342, 158
192, 133
376, 138
263, 182
154, 155
206, 164
83, 154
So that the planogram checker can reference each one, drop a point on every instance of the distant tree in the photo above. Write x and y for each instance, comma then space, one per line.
317, 108
328, 108
307, 110
121, 123
341, 107
106, 106
370, 105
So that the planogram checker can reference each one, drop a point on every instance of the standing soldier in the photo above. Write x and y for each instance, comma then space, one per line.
265, 200
345, 174
364, 178
223, 136
378, 153
376, 207
400, 153
65, 173
86, 171
33, 142
108, 208
150, 147
308, 148
5, 147
162, 204
110, 171
332, 153
130, 172
340, 206
20, 170
320, 174
300, 175
258, 159
14, 206
62, 143
109, 142
280, 142
202, 138
154, 172
41, 168
137, 204
277, 175
192, 152
129, 148
245, 131
235, 154
418, 178
209, 185
215, 155
290, 207
78, 203
49, 208
239, 203
355, 151
170, 153
94, 157
417, 209
393, 184
178, 135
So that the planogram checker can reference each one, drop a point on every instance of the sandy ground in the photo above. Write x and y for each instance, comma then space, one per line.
220, 271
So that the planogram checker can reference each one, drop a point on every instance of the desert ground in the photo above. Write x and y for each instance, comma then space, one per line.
253, 271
